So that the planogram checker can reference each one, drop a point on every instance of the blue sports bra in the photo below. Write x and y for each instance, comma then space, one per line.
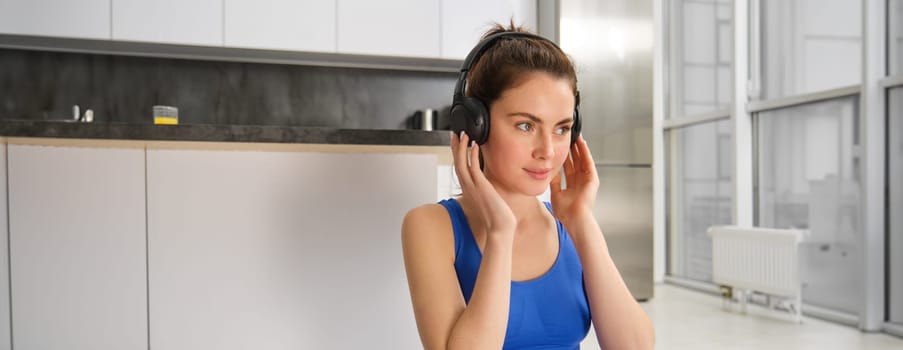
548, 312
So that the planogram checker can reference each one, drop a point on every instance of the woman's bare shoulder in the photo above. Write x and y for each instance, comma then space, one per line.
427, 212
427, 216
428, 225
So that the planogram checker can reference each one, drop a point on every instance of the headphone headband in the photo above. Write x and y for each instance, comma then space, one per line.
481, 47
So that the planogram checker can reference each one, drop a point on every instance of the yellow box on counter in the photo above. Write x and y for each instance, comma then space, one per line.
166, 121
166, 115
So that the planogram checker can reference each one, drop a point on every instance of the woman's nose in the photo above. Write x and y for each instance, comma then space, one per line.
544, 147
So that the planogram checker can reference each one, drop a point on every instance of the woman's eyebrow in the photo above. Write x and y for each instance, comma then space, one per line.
537, 120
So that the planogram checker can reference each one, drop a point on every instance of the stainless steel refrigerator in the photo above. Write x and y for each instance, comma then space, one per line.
611, 42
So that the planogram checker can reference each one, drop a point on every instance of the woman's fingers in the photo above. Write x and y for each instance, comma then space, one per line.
587, 164
473, 158
476, 174
555, 185
578, 154
459, 152
467, 166
579, 167
569, 171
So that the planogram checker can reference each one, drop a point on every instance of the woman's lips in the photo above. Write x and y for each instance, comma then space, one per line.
539, 174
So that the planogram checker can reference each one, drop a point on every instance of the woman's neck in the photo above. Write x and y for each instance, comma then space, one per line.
524, 207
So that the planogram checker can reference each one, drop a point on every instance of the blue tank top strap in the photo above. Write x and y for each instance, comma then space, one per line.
467, 253
458, 221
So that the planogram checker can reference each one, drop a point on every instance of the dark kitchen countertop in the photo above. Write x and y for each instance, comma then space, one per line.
221, 133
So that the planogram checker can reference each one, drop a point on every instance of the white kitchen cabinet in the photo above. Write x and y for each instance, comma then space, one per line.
281, 250
77, 243
296, 25
389, 27
192, 22
86, 19
465, 21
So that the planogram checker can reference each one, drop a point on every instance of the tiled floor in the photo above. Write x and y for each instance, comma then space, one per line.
686, 319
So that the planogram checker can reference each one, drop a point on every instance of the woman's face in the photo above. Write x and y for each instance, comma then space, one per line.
529, 134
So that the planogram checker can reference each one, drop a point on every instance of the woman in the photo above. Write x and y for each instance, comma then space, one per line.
496, 268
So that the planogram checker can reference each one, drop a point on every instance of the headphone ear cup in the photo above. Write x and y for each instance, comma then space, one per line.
480, 122
470, 115
576, 127
458, 116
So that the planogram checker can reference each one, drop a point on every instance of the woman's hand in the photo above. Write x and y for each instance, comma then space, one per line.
496, 215
574, 205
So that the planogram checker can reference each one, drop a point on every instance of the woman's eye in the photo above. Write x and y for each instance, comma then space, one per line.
524, 126
563, 130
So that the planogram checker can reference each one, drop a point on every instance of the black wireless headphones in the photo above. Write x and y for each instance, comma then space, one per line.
472, 115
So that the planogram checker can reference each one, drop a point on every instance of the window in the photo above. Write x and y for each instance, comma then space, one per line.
808, 179
703, 54
700, 164
810, 46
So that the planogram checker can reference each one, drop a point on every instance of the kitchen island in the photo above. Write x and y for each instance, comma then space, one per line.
209, 236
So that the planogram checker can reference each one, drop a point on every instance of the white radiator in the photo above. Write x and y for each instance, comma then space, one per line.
751, 259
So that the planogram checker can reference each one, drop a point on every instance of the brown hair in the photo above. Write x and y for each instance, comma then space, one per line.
505, 63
